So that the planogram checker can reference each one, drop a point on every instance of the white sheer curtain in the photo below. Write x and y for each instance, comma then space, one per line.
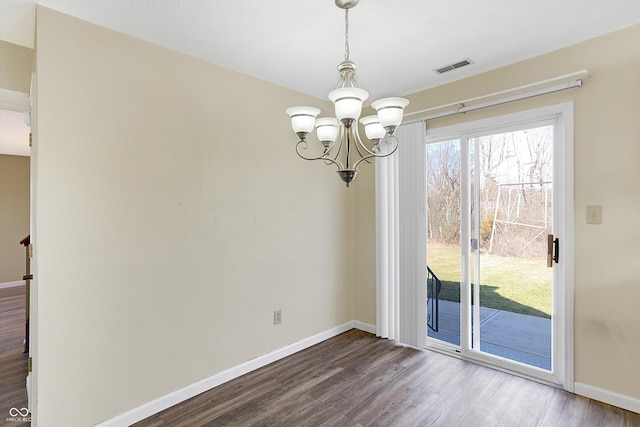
401, 239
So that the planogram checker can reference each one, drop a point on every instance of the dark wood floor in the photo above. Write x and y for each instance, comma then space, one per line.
356, 379
13, 362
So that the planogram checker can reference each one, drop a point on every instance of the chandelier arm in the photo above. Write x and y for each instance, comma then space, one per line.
373, 156
326, 155
322, 157
361, 144
368, 160
348, 147
371, 162
378, 156
341, 139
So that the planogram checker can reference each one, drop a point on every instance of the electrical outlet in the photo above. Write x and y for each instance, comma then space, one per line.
277, 317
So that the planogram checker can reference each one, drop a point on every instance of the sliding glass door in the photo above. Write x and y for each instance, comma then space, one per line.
493, 294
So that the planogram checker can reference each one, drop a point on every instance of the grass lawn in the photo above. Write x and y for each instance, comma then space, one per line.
519, 285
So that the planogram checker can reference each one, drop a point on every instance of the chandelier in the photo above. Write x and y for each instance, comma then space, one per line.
339, 136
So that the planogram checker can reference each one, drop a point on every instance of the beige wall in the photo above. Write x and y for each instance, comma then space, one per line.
365, 236
607, 173
14, 215
16, 66
173, 217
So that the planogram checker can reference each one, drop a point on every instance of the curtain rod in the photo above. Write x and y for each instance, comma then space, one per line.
463, 109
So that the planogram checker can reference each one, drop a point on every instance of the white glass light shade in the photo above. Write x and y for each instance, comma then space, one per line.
372, 127
327, 129
390, 110
348, 102
303, 119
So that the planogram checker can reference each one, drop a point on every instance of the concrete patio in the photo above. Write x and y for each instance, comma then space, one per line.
514, 336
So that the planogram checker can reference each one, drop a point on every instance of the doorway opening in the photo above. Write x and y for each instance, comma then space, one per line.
15, 216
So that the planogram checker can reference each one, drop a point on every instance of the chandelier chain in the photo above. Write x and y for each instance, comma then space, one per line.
346, 34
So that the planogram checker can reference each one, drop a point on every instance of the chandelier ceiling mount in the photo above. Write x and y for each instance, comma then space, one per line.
346, 4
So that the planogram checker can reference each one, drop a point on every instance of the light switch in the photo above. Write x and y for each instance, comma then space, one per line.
594, 214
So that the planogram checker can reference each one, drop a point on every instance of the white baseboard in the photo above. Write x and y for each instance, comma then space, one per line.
12, 284
606, 396
171, 399
364, 326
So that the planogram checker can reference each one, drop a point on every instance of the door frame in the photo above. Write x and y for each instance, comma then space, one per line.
561, 115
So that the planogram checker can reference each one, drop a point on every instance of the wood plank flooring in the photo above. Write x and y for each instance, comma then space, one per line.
13, 362
356, 379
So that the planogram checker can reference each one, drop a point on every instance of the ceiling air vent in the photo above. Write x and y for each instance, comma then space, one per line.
450, 67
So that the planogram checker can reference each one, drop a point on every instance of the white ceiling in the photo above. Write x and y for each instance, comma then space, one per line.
298, 43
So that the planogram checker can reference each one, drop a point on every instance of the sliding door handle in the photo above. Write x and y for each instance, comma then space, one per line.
553, 250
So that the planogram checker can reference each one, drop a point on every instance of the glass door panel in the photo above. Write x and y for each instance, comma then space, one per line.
512, 216
444, 180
